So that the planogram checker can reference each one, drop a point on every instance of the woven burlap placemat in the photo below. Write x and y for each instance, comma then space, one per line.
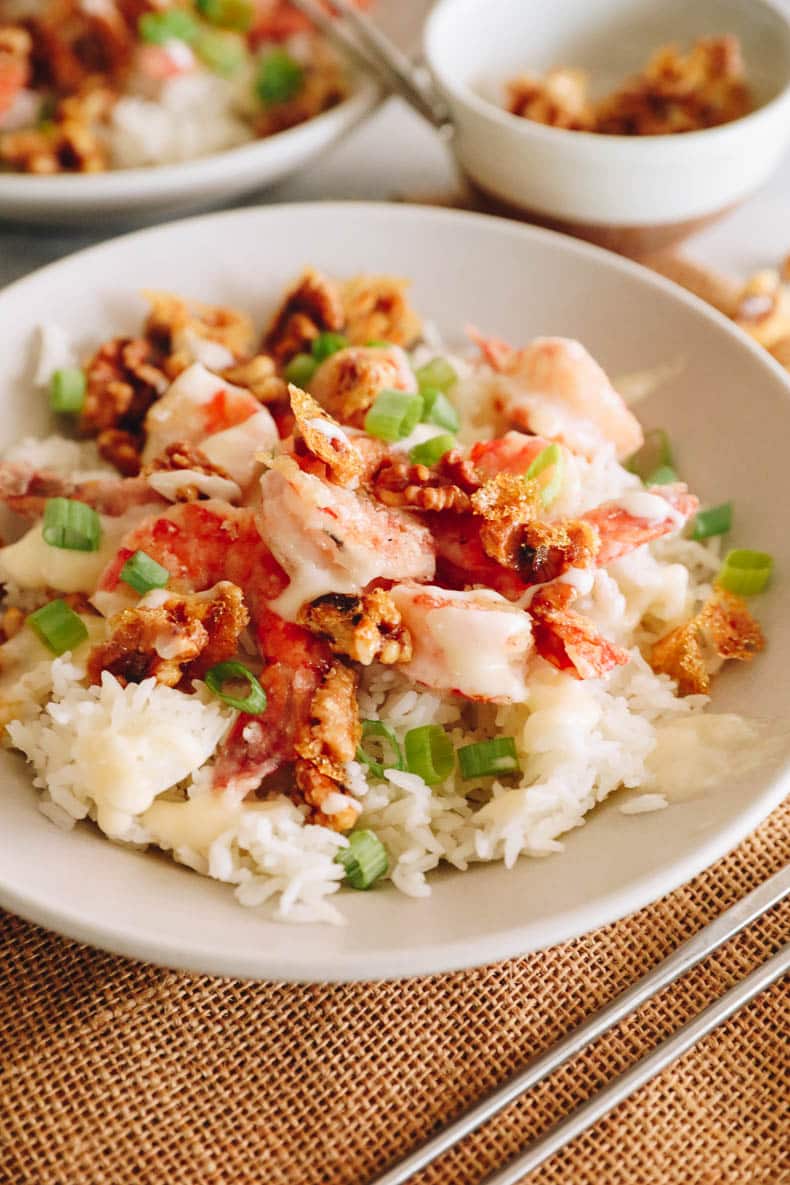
117, 1073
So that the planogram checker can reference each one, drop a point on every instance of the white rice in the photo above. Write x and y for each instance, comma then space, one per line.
137, 759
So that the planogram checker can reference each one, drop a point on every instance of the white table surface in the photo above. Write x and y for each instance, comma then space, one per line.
395, 154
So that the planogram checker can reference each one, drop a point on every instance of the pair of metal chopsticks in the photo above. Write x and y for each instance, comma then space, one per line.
709, 939
367, 47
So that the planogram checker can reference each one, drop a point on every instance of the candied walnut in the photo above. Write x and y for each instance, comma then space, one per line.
366, 628
122, 449
75, 42
311, 307
183, 455
690, 653
376, 309
327, 741
11, 620
122, 383
173, 319
447, 486
66, 147
175, 641
314, 788
324, 439
259, 377
558, 99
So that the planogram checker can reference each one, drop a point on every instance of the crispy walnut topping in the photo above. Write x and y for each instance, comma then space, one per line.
188, 457
365, 628
376, 309
326, 742
259, 377
178, 640
123, 381
171, 317
311, 307
722, 629
122, 449
323, 438
446, 486
11, 622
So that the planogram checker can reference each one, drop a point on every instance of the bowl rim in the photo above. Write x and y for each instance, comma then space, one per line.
466, 96
111, 184
462, 953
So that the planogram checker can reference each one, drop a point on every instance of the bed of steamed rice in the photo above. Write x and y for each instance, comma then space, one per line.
577, 741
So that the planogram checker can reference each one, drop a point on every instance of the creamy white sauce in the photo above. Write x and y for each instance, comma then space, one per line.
651, 507
213, 355
329, 430
194, 823
234, 449
33, 563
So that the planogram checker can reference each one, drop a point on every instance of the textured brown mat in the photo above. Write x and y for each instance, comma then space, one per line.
113, 1073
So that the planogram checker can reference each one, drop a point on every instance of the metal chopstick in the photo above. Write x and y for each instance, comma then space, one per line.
645, 1069
712, 936
375, 53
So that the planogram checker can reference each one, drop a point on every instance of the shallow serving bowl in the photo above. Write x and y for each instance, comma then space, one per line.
728, 412
165, 190
632, 193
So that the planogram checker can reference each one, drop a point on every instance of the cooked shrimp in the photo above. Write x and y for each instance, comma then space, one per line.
331, 539
639, 517
474, 643
512, 453
197, 405
347, 383
461, 559
555, 388
26, 490
568, 640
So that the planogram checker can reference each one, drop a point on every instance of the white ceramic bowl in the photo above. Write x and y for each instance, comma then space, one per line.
166, 190
728, 413
637, 192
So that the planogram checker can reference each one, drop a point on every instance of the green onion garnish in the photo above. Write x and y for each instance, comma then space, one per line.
223, 53
665, 475
429, 753
327, 344
439, 410
377, 728
173, 24
717, 520
228, 14
58, 626
377, 343
254, 703
365, 859
431, 451
301, 369
394, 415
71, 525
489, 758
142, 573
655, 452
279, 78
437, 373
745, 572
67, 390
552, 458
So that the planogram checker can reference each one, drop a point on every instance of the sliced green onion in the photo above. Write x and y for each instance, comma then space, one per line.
489, 758
551, 458
71, 525
437, 373
67, 390
429, 753
394, 415
431, 451
223, 53
142, 573
665, 475
655, 452
254, 703
377, 728
58, 626
716, 520
327, 344
365, 859
745, 572
173, 24
280, 77
301, 369
228, 14
439, 410
378, 344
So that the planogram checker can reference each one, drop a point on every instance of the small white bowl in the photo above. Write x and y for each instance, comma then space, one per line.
165, 190
634, 193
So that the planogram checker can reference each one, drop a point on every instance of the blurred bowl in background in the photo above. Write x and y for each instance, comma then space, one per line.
632, 193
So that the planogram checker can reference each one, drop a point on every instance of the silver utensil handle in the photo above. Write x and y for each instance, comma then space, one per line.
645, 1069
683, 959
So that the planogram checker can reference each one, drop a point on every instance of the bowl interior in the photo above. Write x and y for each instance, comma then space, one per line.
727, 410
479, 44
